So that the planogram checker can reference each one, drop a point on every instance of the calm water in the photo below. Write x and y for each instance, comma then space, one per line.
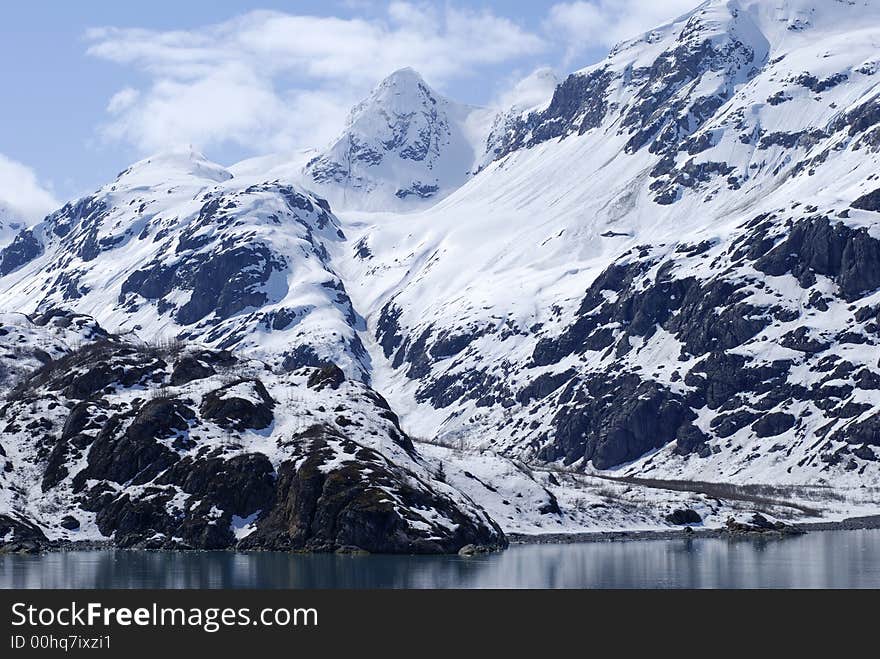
837, 559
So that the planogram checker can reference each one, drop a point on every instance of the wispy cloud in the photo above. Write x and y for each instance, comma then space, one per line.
271, 80
25, 197
586, 24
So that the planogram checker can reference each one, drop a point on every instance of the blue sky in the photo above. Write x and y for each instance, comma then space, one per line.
92, 86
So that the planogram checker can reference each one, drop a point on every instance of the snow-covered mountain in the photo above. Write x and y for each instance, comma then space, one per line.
404, 146
668, 268
673, 266
176, 247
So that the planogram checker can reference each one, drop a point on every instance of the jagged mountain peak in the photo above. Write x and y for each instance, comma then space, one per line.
400, 96
404, 145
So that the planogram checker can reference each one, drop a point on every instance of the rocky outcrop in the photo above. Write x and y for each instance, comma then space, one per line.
611, 421
240, 405
25, 248
684, 516
18, 536
815, 246
868, 202
152, 448
364, 502
326, 376
760, 525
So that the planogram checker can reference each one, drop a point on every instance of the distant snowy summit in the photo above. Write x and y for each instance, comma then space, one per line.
404, 145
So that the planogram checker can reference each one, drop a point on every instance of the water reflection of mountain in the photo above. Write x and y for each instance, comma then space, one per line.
845, 559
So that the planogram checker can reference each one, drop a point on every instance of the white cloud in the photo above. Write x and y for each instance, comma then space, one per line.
530, 92
22, 193
583, 25
122, 100
271, 80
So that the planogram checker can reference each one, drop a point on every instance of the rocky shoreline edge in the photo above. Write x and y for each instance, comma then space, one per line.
688, 532
737, 530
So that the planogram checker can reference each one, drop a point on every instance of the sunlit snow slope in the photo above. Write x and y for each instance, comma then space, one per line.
673, 265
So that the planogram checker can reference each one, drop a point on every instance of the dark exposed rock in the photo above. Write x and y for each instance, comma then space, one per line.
801, 340
188, 369
818, 86
483, 387
24, 249
326, 376
771, 425
86, 372
551, 507
543, 386
682, 516
348, 506
868, 202
865, 432
615, 421
449, 344
758, 524
69, 522
849, 256
135, 455
241, 405
20, 536
692, 440
865, 453
388, 331
224, 282
578, 105
420, 190
131, 521
240, 486
301, 356
726, 425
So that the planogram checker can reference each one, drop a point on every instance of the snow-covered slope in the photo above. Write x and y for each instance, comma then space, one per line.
176, 247
403, 147
694, 159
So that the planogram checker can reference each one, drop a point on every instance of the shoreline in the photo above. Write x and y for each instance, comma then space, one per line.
869, 522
